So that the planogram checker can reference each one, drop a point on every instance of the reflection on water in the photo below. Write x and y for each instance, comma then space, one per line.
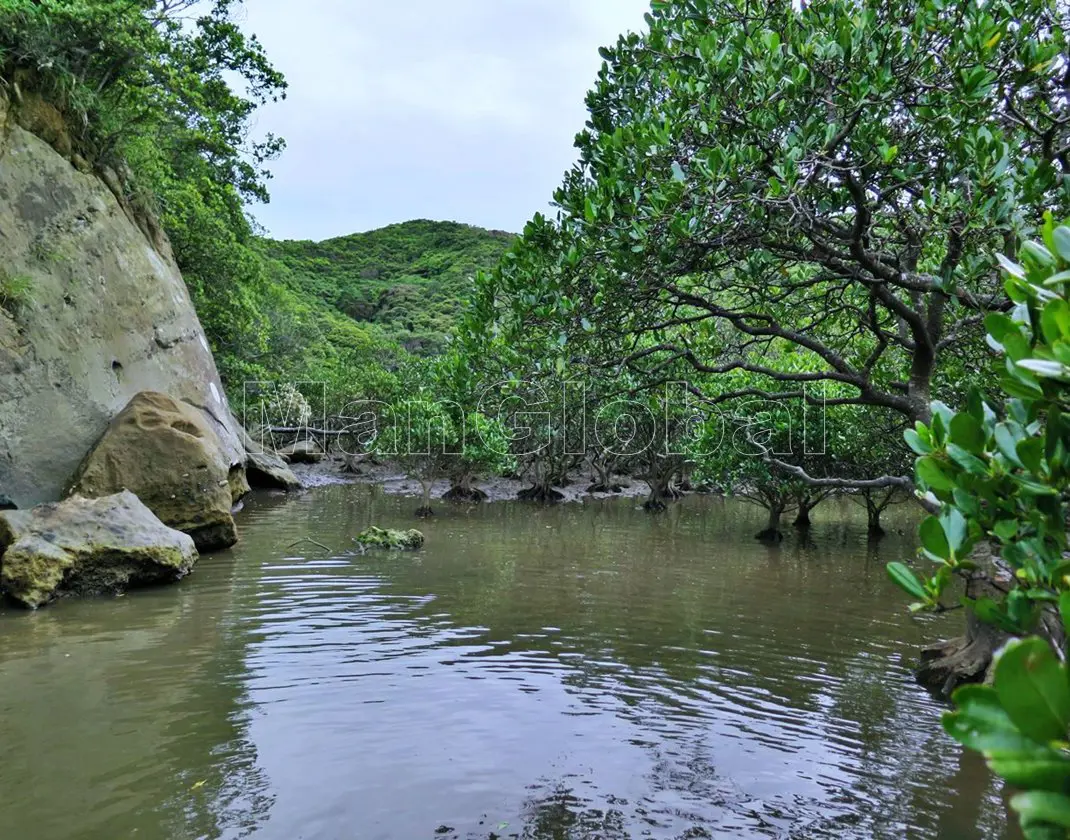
573, 672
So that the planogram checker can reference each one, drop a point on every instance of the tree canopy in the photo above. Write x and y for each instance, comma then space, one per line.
811, 196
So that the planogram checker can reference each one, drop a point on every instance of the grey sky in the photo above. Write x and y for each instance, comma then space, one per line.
463, 110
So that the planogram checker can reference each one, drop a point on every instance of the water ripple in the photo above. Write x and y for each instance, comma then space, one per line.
574, 672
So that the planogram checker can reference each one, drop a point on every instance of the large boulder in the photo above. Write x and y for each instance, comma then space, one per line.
304, 452
86, 546
105, 315
163, 451
265, 469
270, 472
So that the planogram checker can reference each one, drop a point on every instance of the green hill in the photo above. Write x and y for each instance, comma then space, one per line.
410, 278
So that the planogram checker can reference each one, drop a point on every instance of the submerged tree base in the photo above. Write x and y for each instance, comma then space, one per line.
966, 659
947, 665
769, 535
464, 494
425, 512
546, 495
599, 487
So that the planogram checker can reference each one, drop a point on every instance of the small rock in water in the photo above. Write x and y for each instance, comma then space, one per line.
389, 538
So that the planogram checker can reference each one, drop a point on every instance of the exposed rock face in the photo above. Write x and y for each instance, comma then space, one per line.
166, 452
88, 547
105, 314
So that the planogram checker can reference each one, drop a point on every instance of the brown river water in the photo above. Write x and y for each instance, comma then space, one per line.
581, 671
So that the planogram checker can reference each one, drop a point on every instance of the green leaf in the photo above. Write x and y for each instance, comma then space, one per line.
981, 723
966, 431
1034, 690
906, 580
966, 502
942, 413
1022, 612
678, 172
967, 460
1035, 488
1012, 268
1061, 240
1047, 368
916, 442
1058, 278
932, 475
1007, 443
992, 613
1037, 254
934, 539
1006, 529
1055, 320
999, 326
1048, 771
1043, 807
1031, 453
954, 526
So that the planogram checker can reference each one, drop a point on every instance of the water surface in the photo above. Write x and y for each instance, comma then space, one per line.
583, 671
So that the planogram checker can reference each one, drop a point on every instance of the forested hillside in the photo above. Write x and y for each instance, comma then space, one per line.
784, 254
410, 278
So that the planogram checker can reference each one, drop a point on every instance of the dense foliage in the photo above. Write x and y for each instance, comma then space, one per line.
1000, 473
811, 197
411, 279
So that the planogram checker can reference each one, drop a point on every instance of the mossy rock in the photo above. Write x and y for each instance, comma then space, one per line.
389, 538
88, 547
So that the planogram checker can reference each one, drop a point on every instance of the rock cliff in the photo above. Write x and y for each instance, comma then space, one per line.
93, 310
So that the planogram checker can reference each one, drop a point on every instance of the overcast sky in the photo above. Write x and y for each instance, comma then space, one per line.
463, 110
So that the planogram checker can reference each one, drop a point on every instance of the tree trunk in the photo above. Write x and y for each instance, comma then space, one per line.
425, 509
947, 665
659, 479
463, 490
873, 515
542, 490
655, 501
604, 481
805, 503
772, 531
919, 386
